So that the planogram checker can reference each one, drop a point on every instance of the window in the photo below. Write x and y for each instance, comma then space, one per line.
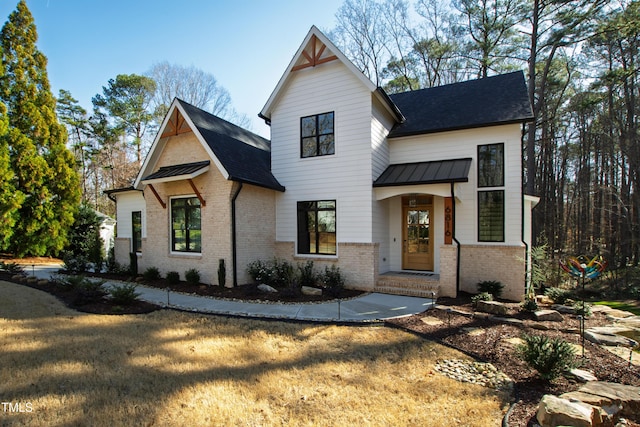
491, 216
186, 233
317, 227
317, 135
491, 165
136, 232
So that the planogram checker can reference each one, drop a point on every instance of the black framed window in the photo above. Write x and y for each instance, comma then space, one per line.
317, 135
491, 165
491, 216
136, 231
186, 232
317, 227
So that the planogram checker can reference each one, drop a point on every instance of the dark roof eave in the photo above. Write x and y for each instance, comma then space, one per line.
276, 187
454, 128
120, 190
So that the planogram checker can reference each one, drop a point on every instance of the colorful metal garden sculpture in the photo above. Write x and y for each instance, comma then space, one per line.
584, 268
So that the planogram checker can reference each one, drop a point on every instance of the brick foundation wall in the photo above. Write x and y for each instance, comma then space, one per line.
447, 283
502, 263
358, 262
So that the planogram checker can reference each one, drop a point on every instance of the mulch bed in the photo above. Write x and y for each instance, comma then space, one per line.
491, 346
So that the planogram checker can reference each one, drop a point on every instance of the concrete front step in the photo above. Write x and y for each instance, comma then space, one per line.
412, 292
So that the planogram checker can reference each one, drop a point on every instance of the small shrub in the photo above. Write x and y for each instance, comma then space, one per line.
482, 296
491, 286
550, 357
192, 276
173, 277
151, 273
529, 305
69, 282
260, 272
11, 267
222, 273
275, 273
124, 294
558, 295
307, 276
582, 308
332, 281
75, 263
88, 291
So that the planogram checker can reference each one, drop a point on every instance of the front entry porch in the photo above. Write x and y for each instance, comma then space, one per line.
410, 283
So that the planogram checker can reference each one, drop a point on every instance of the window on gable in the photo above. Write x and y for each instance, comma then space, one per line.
491, 165
317, 135
186, 232
317, 227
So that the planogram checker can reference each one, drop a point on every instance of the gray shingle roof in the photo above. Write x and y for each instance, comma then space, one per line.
435, 172
244, 155
490, 101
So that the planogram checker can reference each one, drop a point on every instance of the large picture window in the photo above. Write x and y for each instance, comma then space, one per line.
317, 135
136, 232
491, 216
317, 227
491, 165
186, 232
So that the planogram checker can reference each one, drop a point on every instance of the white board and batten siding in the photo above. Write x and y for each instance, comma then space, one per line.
344, 176
128, 202
464, 144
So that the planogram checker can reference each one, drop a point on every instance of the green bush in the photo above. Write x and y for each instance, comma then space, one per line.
11, 267
192, 276
124, 294
75, 263
86, 291
550, 357
491, 286
529, 305
582, 308
306, 274
482, 296
275, 273
558, 295
173, 277
332, 281
151, 273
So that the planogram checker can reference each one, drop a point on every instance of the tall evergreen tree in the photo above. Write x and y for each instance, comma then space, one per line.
44, 169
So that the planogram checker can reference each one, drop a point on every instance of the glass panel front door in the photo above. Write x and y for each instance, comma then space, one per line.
417, 252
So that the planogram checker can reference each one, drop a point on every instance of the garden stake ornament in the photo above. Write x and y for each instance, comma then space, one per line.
583, 268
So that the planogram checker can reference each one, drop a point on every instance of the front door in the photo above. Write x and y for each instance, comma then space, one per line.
417, 251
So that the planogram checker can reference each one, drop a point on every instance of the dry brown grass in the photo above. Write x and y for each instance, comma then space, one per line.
172, 368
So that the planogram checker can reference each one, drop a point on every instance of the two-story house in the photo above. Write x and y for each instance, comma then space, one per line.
405, 193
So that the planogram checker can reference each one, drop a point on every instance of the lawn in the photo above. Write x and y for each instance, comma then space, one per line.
62, 367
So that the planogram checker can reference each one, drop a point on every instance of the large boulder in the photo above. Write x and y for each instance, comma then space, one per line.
627, 397
609, 336
267, 289
548, 315
493, 307
555, 411
308, 290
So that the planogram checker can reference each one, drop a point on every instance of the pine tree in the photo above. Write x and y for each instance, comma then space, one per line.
43, 168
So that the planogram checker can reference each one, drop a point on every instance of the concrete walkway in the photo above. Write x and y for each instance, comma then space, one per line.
364, 309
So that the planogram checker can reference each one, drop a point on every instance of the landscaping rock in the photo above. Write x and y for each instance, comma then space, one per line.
625, 396
493, 307
543, 299
308, 290
548, 315
632, 322
555, 411
615, 314
582, 375
563, 309
608, 336
267, 289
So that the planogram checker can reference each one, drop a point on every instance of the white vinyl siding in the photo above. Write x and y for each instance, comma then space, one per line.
344, 176
462, 144
128, 202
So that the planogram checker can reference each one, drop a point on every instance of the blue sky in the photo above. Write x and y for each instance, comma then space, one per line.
245, 44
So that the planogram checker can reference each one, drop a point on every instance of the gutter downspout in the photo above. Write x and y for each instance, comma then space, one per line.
234, 249
453, 235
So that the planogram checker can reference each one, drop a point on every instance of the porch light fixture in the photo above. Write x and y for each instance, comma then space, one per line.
413, 202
